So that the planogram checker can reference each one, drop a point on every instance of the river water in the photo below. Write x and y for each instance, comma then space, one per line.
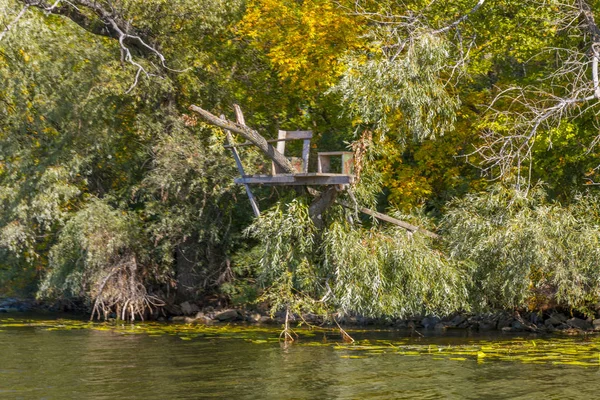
74, 360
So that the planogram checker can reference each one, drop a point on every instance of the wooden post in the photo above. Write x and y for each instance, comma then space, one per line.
323, 163
281, 136
238, 161
305, 153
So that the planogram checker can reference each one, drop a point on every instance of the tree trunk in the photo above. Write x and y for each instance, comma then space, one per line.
188, 279
321, 203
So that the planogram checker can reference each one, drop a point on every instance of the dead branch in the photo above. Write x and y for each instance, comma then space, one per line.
249, 134
112, 25
566, 93
9, 26
383, 217
461, 19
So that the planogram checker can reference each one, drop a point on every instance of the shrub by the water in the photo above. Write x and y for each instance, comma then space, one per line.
525, 251
347, 268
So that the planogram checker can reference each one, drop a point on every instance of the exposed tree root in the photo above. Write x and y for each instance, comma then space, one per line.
123, 292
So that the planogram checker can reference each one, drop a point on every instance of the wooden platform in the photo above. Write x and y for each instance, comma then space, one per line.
310, 178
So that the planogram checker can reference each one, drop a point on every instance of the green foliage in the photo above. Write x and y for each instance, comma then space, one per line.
91, 244
100, 185
373, 272
388, 272
403, 93
526, 251
287, 265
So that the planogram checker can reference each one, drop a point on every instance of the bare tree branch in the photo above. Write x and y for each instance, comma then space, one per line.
249, 134
9, 26
460, 20
110, 24
566, 93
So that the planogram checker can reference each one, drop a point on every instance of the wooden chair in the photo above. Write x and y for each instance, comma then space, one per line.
286, 136
324, 161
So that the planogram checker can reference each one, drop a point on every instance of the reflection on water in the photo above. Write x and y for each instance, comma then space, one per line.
41, 363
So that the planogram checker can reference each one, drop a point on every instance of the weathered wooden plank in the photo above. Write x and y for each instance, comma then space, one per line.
310, 174
299, 135
333, 153
246, 144
253, 202
297, 179
333, 179
281, 136
281, 179
239, 115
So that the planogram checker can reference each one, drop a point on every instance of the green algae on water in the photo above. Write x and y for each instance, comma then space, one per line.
553, 351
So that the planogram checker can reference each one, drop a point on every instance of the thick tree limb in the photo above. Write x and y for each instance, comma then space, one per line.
383, 217
249, 134
97, 26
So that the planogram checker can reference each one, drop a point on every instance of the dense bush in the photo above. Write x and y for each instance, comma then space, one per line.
349, 269
526, 251
101, 257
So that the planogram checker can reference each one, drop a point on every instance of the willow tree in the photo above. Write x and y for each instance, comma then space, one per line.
526, 251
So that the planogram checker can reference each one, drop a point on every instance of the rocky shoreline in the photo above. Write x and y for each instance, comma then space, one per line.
503, 321
11, 305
